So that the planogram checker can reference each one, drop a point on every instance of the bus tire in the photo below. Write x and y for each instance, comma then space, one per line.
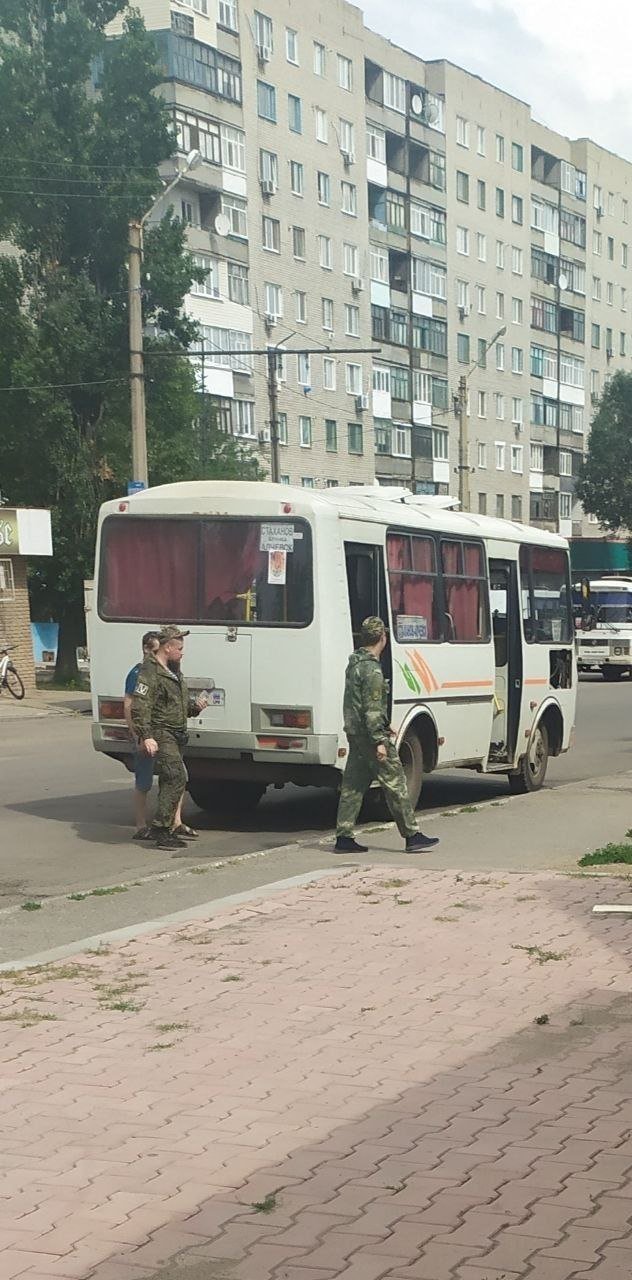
610, 674
226, 796
412, 758
531, 772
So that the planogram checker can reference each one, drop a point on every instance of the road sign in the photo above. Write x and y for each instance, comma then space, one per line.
134, 486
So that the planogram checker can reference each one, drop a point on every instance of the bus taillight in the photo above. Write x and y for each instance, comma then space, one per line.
111, 709
290, 719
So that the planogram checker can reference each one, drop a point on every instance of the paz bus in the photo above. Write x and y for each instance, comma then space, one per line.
273, 583
605, 637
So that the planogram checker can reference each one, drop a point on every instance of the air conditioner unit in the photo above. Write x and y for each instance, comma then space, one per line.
348, 158
267, 187
463, 312
609, 353
264, 436
361, 403
358, 285
599, 210
269, 320
264, 52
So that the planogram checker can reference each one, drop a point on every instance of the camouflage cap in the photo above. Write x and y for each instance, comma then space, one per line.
171, 633
371, 631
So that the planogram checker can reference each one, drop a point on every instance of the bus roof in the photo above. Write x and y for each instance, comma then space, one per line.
383, 505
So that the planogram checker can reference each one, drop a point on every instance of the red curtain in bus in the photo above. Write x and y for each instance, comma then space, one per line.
149, 569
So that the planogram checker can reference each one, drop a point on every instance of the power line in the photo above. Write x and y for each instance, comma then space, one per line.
53, 386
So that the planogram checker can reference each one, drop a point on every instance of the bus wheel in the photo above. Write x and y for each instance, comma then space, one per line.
411, 756
531, 772
611, 673
226, 796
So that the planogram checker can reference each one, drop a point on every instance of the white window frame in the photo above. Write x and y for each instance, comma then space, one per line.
291, 46
304, 370
566, 462
320, 59
463, 132
300, 298
378, 259
353, 379
208, 288
499, 454
321, 125
345, 73
375, 144
350, 259
394, 92
273, 300
481, 455
305, 437
463, 241
329, 373
327, 312
352, 320
517, 459
243, 419
349, 198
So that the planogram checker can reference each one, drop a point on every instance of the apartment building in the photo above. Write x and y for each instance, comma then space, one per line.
394, 229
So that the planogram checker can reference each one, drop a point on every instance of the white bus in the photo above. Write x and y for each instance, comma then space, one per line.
273, 583
605, 637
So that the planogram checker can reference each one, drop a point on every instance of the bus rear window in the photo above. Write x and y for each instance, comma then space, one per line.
546, 599
157, 569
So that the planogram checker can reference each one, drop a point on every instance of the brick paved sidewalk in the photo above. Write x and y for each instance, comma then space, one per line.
346, 1080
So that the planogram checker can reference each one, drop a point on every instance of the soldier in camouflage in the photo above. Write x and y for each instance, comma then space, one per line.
371, 751
160, 708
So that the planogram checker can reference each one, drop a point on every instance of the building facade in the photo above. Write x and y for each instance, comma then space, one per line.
401, 233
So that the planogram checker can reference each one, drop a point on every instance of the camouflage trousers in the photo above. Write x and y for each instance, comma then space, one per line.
362, 767
172, 780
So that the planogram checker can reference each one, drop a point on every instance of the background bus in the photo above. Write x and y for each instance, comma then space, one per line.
605, 634
274, 582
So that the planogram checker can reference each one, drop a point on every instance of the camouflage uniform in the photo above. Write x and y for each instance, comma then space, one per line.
160, 708
366, 726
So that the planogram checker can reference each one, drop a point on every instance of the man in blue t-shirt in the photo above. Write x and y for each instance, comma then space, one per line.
143, 764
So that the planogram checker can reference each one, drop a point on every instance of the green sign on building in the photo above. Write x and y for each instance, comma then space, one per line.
9, 532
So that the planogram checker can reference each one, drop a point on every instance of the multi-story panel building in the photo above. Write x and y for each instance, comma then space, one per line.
392, 227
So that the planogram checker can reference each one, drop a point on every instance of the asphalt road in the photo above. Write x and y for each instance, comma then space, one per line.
65, 815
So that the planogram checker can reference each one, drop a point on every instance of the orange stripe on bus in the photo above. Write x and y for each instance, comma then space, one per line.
536, 681
422, 668
467, 684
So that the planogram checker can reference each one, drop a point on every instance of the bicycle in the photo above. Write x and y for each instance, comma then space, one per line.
9, 678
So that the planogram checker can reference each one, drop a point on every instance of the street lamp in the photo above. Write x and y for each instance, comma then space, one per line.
135, 307
463, 467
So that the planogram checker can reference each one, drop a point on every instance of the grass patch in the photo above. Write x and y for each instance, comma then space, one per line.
28, 1017
31, 906
402, 902
77, 897
106, 890
542, 1020
198, 871
526, 897
608, 854
103, 949
161, 1044
469, 808
165, 1027
232, 977
395, 883
446, 919
539, 954
266, 1206
122, 1006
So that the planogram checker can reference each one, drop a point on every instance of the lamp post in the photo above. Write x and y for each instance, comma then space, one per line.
463, 467
135, 309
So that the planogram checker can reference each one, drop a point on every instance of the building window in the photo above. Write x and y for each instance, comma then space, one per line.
301, 306
500, 148
298, 242
428, 277
517, 360
324, 190
516, 260
266, 101
500, 455
303, 371
296, 178
329, 373
353, 379
345, 73
268, 167
500, 255
500, 507
238, 290
227, 15
516, 411
349, 196
352, 320
516, 311
328, 314
500, 202
440, 445
462, 131
305, 432
271, 234
462, 187
320, 59
346, 135
350, 259
308, 482
482, 504
294, 113
565, 506
282, 428
500, 406
516, 459
500, 306
400, 383
243, 419
322, 131
394, 91
427, 221
291, 45
481, 304
566, 463
379, 264
463, 348
480, 140
375, 144
500, 357
482, 404
462, 240
354, 437
517, 157
517, 210
273, 301
610, 293
481, 194
610, 246
263, 31
196, 131
235, 210
209, 286
331, 435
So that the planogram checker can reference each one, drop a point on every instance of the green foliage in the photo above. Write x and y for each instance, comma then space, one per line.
609, 853
75, 166
605, 483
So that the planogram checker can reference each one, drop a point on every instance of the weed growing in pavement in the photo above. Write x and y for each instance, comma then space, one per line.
122, 1006
31, 906
268, 1205
526, 897
609, 853
395, 883
466, 906
232, 977
28, 1017
103, 949
402, 902
364, 893
541, 1019
198, 871
446, 919
161, 1044
77, 897
105, 891
368, 1008
578, 1021
469, 808
165, 1027
539, 954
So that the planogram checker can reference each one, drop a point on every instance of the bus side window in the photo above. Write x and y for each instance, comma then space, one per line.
362, 584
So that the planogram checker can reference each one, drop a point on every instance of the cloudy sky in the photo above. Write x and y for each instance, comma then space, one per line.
569, 58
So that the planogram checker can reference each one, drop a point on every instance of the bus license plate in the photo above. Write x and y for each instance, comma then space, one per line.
217, 698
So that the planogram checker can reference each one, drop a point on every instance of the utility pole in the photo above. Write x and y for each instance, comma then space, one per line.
273, 400
136, 361
464, 470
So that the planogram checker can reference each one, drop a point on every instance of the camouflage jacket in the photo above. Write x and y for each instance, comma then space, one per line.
366, 699
160, 700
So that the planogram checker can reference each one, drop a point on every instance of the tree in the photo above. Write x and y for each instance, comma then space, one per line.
605, 482
82, 133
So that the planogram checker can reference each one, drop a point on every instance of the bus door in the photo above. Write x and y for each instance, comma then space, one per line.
366, 585
505, 611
